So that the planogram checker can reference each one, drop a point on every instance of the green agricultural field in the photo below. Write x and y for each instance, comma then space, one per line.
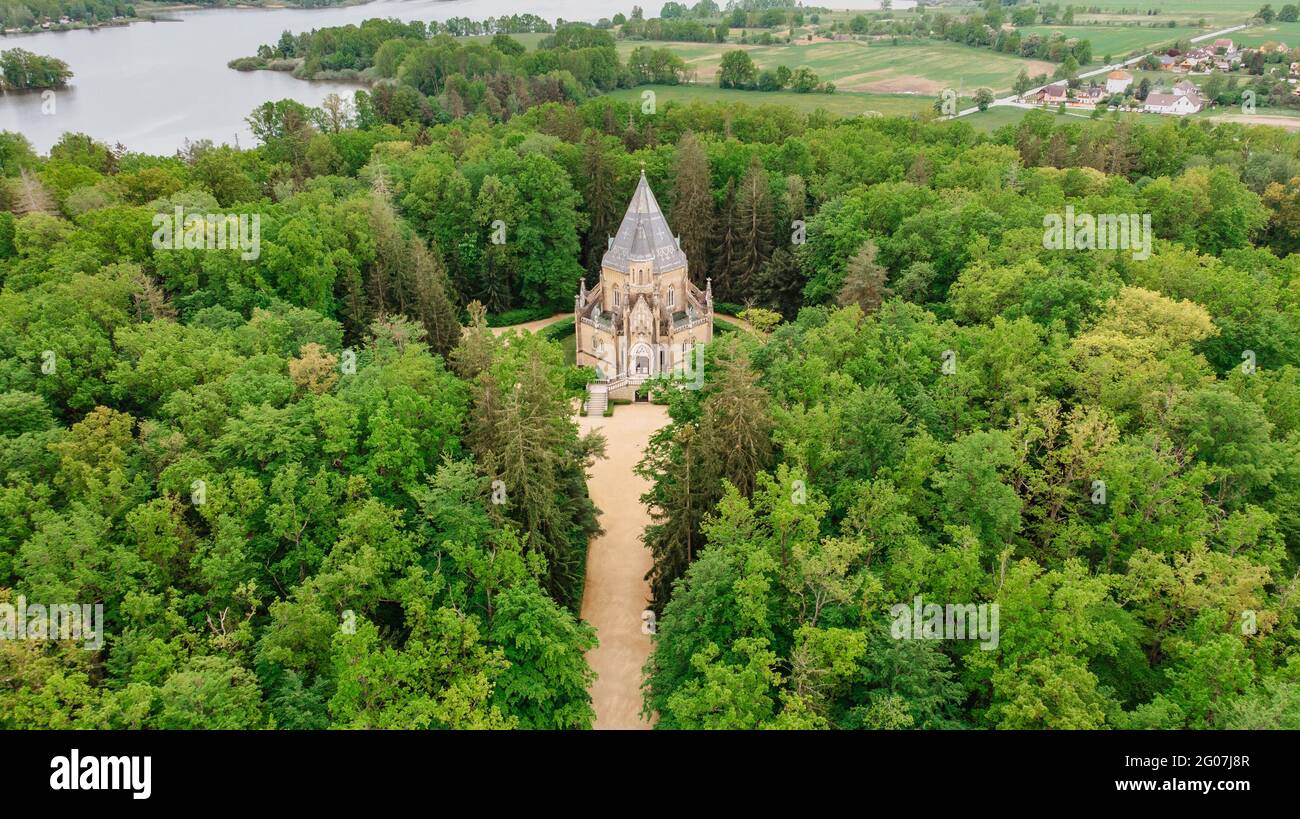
879, 67
845, 104
1118, 40
694, 54
1220, 13
996, 117
1275, 32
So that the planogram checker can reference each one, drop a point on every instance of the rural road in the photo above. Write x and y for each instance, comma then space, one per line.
1013, 101
616, 591
1290, 123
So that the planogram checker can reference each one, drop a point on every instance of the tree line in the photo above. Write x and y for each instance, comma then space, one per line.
417, 73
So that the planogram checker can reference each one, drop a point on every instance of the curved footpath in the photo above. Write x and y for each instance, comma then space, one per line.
531, 326
616, 592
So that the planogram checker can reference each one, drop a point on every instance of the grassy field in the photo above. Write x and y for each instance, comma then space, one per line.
845, 104
881, 68
1219, 13
1118, 40
1288, 33
998, 116
994, 118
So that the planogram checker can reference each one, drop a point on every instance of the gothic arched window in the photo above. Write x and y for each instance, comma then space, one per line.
672, 297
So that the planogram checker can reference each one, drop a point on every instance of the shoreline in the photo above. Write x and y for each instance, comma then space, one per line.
155, 13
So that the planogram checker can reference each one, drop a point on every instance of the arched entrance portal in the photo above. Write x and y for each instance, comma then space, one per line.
642, 363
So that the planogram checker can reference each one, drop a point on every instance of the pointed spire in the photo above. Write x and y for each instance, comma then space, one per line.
644, 235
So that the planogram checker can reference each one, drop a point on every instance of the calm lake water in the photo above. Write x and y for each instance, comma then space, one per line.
151, 86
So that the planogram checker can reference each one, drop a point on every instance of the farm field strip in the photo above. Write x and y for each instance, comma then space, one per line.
869, 67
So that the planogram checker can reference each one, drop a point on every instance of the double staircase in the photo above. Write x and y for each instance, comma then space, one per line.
597, 399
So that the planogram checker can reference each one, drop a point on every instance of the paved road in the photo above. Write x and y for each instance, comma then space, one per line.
616, 591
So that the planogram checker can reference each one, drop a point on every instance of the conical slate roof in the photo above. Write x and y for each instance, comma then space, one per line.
644, 235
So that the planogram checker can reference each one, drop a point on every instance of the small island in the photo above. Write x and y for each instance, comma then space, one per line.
21, 70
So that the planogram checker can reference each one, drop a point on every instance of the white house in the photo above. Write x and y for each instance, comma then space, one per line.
1177, 103
1117, 82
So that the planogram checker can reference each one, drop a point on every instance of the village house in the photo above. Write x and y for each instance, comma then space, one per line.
1177, 103
1054, 94
1117, 82
1200, 60
1088, 96
1091, 96
1225, 45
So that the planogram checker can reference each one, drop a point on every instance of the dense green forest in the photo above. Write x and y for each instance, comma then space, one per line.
422, 73
312, 489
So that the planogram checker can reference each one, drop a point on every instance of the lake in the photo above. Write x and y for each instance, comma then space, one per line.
151, 86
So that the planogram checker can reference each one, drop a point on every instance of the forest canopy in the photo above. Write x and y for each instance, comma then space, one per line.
277, 474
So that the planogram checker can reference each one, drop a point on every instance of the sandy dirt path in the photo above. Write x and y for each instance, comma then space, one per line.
1290, 123
531, 326
616, 592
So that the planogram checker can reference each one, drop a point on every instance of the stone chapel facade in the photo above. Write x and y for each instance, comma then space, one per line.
644, 318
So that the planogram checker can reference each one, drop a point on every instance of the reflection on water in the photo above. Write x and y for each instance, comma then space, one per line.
150, 86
